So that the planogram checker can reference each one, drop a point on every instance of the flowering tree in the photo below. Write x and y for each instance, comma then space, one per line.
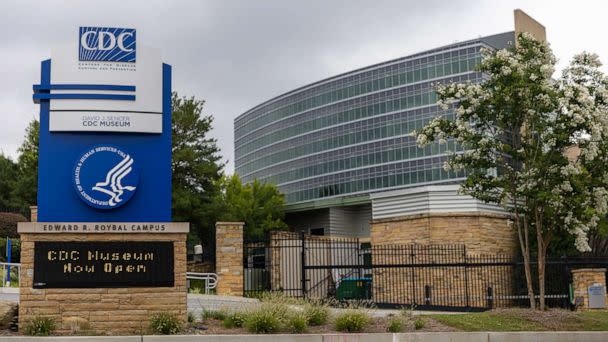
532, 144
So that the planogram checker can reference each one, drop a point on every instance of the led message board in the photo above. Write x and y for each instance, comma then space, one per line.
103, 264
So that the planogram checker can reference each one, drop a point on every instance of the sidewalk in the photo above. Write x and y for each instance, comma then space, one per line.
403, 337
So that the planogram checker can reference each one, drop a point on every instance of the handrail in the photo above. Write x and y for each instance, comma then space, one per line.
209, 278
5, 268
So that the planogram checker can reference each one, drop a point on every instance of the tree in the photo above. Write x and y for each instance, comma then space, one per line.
196, 167
259, 205
517, 131
8, 175
26, 184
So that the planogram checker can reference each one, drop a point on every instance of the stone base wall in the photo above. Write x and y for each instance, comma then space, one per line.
481, 233
423, 239
585, 277
113, 311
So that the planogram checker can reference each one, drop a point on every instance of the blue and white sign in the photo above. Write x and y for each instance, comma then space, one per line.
105, 177
107, 44
105, 129
98, 84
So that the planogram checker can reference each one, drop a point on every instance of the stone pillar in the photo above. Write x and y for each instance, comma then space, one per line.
582, 279
34, 213
229, 258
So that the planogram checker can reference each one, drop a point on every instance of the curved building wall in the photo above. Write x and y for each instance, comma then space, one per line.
352, 134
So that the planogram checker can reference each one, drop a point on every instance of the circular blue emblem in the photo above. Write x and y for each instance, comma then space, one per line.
105, 177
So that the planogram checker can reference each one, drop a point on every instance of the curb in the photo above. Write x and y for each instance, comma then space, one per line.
525, 336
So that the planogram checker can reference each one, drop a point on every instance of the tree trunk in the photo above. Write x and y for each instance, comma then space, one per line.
525, 251
528, 271
541, 272
543, 242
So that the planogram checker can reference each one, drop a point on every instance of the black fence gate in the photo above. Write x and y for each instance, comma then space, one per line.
443, 277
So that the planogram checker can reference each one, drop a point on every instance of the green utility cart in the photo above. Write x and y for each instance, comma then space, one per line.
354, 288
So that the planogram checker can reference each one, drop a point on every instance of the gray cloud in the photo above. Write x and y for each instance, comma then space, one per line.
236, 54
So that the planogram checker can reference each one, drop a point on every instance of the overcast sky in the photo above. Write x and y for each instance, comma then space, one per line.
237, 54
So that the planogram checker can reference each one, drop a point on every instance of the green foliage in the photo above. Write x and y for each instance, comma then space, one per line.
8, 177
219, 315
395, 325
19, 181
259, 205
26, 185
234, 319
297, 323
15, 247
419, 323
191, 317
39, 326
352, 320
196, 168
165, 323
488, 321
265, 320
316, 313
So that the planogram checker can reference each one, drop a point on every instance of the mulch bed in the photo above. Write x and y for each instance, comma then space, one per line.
377, 325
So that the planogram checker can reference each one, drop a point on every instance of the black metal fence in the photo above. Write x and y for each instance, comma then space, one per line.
442, 277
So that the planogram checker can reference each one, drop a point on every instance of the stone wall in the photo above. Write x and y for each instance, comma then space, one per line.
114, 311
423, 239
585, 277
229, 258
481, 233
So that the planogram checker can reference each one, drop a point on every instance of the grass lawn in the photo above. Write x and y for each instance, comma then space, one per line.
525, 320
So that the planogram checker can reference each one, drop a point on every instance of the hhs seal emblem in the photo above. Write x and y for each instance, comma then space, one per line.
105, 177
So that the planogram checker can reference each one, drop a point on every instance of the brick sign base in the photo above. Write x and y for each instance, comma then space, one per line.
119, 310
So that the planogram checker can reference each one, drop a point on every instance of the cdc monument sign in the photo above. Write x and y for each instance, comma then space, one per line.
104, 227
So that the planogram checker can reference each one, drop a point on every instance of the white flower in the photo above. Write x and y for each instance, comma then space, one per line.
565, 186
547, 70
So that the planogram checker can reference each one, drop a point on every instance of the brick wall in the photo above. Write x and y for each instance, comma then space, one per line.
114, 311
229, 258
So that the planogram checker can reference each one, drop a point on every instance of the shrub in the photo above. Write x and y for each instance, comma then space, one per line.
408, 312
220, 315
234, 320
8, 224
395, 325
39, 326
267, 319
352, 320
165, 323
298, 323
316, 314
419, 323
191, 317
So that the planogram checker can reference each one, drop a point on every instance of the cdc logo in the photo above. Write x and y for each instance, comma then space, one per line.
107, 44
105, 177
